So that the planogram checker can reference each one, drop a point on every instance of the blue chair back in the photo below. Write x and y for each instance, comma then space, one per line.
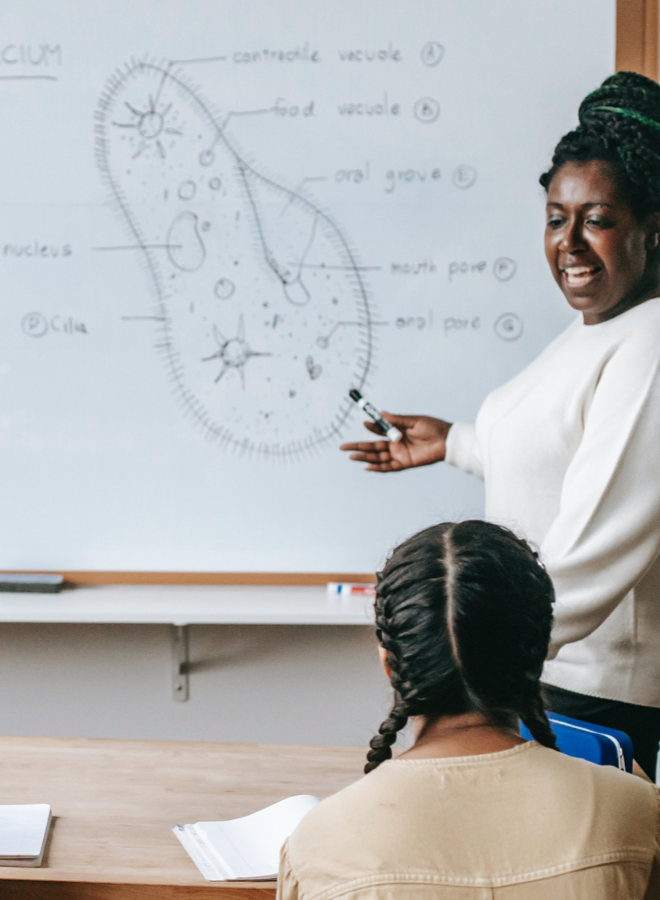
600, 745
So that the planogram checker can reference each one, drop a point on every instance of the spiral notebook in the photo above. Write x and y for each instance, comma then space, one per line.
246, 849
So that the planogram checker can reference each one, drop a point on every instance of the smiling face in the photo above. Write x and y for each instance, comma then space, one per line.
601, 255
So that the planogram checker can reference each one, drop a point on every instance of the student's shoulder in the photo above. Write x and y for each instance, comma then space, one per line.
623, 797
356, 795
353, 803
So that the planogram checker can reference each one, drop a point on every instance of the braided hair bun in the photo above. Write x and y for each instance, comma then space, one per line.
464, 612
619, 123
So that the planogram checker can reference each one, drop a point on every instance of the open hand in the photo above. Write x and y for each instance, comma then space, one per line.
423, 442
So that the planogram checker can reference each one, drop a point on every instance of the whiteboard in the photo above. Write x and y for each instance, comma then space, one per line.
218, 217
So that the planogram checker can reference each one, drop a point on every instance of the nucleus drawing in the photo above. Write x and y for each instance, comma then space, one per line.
251, 278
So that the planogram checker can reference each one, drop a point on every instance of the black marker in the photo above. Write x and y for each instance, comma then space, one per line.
392, 434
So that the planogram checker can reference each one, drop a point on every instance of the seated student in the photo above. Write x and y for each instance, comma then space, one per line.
463, 615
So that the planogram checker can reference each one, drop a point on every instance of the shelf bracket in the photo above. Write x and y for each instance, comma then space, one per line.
180, 663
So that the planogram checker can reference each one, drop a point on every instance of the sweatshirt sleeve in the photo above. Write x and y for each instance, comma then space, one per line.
653, 886
463, 449
287, 884
607, 532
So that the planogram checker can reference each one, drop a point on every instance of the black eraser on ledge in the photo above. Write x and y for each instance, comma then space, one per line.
30, 583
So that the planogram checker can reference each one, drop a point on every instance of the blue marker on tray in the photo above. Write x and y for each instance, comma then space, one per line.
391, 433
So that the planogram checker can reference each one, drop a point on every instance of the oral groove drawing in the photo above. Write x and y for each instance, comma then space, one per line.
238, 261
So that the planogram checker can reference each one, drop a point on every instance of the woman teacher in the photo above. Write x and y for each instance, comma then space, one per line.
569, 450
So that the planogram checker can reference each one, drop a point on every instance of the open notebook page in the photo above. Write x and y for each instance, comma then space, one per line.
244, 848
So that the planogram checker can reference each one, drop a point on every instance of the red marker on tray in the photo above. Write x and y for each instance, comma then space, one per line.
345, 589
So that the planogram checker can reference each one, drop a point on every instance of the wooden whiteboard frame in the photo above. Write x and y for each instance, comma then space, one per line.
84, 579
636, 51
637, 37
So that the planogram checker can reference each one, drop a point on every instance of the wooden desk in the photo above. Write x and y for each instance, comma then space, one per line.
114, 803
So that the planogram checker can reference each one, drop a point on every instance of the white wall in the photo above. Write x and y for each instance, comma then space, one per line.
272, 684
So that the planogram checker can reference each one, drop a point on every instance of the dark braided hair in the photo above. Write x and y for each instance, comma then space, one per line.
629, 140
464, 612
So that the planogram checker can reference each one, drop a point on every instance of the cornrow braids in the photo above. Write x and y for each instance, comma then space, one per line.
464, 613
619, 123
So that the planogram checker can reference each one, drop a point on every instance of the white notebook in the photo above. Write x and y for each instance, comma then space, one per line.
23, 833
246, 849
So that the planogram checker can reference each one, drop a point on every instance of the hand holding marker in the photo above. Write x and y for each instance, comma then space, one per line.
410, 440
390, 432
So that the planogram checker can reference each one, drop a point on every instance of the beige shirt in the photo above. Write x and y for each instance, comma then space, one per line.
523, 823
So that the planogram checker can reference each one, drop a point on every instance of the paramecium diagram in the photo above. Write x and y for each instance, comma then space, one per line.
254, 283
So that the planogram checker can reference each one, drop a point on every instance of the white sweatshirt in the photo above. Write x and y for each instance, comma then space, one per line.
570, 454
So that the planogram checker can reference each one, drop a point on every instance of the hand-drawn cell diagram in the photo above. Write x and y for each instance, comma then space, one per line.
248, 274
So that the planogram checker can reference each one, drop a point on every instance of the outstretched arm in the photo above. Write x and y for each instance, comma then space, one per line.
423, 442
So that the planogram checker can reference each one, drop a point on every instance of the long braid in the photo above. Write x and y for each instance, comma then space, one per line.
531, 707
533, 715
381, 743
